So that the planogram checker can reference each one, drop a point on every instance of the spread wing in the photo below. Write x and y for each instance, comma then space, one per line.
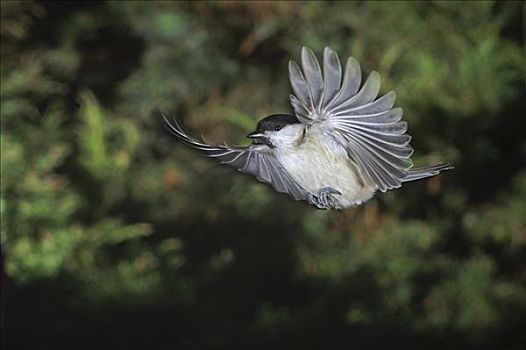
256, 160
369, 127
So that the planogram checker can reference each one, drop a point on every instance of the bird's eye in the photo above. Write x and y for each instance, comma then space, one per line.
277, 127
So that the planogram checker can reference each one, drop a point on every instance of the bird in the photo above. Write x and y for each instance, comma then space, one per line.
341, 145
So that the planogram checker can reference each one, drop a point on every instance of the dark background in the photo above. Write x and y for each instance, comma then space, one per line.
117, 236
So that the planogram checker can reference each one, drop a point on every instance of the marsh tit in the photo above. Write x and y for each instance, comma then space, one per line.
341, 145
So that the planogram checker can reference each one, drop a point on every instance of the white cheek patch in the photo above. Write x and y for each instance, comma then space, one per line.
286, 137
278, 139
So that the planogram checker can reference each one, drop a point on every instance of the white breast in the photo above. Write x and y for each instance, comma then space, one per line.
315, 163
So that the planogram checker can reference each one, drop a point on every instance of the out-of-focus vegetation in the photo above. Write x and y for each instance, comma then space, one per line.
116, 236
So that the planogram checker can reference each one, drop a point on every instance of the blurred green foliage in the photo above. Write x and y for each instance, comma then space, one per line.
116, 236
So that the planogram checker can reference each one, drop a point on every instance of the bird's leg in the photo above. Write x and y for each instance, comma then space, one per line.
322, 199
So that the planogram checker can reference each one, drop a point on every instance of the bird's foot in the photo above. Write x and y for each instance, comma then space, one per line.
323, 199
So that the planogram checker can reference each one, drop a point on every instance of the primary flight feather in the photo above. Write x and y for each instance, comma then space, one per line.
342, 145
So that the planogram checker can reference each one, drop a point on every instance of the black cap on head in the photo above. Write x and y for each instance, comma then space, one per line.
276, 122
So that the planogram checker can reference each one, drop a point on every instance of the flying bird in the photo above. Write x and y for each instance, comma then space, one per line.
341, 145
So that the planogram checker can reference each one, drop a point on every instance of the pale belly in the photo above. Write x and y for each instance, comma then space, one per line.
314, 168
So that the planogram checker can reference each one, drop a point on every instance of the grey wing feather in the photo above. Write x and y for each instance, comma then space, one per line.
333, 75
421, 173
351, 82
263, 165
313, 75
369, 127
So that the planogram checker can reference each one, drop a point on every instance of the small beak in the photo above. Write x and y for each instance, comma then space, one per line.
255, 135
260, 139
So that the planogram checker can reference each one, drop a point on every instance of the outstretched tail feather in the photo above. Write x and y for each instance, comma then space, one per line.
421, 173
